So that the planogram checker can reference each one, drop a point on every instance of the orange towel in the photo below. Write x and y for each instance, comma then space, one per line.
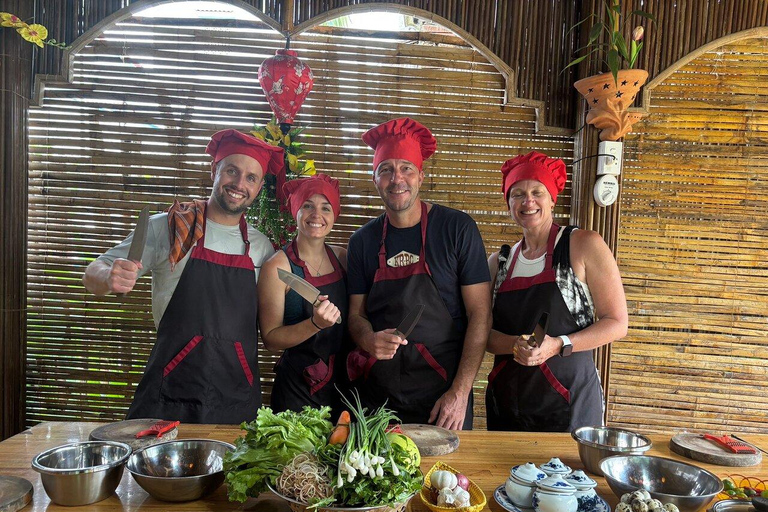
185, 224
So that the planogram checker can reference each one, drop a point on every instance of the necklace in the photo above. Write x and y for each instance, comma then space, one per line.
318, 267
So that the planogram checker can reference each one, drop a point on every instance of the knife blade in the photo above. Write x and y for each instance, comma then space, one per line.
302, 287
539, 330
409, 322
139, 236
139, 240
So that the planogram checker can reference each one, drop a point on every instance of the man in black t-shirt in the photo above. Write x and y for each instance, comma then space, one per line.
416, 253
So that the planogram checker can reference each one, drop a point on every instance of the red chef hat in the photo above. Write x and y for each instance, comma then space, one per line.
299, 190
403, 139
230, 142
534, 166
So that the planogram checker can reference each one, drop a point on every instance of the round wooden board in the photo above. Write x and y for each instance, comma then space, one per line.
15, 493
125, 432
695, 447
431, 440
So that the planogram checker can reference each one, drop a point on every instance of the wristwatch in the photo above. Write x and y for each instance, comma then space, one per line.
567, 347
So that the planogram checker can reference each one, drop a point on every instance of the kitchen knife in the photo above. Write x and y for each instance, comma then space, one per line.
539, 330
139, 236
139, 240
409, 322
303, 288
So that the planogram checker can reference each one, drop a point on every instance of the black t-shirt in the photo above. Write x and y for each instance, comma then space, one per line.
455, 254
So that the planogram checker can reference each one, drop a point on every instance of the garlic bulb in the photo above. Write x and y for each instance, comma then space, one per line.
443, 480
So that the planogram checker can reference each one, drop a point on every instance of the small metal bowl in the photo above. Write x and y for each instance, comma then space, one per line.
181, 470
597, 443
732, 506
689, 487
81, 473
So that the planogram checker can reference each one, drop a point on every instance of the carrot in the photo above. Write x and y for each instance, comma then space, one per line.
341, 431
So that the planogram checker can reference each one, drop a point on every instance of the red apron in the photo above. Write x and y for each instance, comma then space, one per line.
204, 366
559, 395
306, 374
424, 369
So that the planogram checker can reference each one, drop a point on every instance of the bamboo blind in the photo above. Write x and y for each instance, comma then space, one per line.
131, 128
692, 250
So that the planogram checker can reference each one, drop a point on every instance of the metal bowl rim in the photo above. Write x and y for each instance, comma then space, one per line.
675, 496
350, 509
169, 478
37, 466
592, 444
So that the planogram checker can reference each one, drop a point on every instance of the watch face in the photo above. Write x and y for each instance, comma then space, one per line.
567, 349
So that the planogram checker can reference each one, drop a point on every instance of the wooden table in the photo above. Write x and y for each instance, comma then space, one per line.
485, 457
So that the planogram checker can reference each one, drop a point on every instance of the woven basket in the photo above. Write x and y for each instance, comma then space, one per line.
476, 495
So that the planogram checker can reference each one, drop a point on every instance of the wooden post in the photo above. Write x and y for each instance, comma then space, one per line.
15, 91
287, 16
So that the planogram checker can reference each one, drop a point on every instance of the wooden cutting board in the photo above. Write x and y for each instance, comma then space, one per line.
15, 493
431, 440
125, 432
695, 447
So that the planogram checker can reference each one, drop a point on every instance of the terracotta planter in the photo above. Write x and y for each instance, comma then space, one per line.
608, 103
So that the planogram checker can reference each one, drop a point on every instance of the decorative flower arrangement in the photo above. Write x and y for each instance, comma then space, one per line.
34, 33
269, 213
617, 53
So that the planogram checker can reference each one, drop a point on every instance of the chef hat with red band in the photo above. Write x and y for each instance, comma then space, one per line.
534, 166
229, 142
403, 139
299, 190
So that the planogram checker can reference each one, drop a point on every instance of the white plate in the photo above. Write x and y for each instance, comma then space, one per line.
500, 495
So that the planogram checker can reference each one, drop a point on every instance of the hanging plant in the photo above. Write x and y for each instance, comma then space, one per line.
269, 213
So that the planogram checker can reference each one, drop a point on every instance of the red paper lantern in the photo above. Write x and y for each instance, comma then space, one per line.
286, 82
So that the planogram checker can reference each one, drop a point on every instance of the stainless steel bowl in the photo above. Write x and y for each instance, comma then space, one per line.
597, 443
689, 487
81, 473
181, 470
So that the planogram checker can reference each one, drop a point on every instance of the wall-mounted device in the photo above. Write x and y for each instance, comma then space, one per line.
609, 162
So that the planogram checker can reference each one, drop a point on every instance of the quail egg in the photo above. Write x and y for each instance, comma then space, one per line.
670, 507
626, 498
623, 507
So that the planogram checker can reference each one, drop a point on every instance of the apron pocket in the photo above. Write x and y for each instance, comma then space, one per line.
496, 370
176, 384
359, 364
556, 385
244, 362
318, 375
432, 361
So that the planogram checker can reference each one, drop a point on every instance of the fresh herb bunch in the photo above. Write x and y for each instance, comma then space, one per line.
617, 52
271, 441
368, 470
269, 213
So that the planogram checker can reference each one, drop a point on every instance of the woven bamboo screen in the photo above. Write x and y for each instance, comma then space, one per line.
692, 249
131, 128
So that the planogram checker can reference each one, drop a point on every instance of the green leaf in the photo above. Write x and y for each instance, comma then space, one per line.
613, 64
579, 23
621, 45
594, 32
645, 15
635, 53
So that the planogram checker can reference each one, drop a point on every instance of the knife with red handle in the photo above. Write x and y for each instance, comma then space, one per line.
159, 428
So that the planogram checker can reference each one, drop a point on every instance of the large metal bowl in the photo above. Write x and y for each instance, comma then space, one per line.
597, 443
689, 487
181, 470
81, 473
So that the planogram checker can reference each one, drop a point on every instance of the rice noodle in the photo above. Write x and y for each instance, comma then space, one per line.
305, 479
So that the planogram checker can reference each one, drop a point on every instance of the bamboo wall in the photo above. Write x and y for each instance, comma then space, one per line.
683, 27
692, 247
